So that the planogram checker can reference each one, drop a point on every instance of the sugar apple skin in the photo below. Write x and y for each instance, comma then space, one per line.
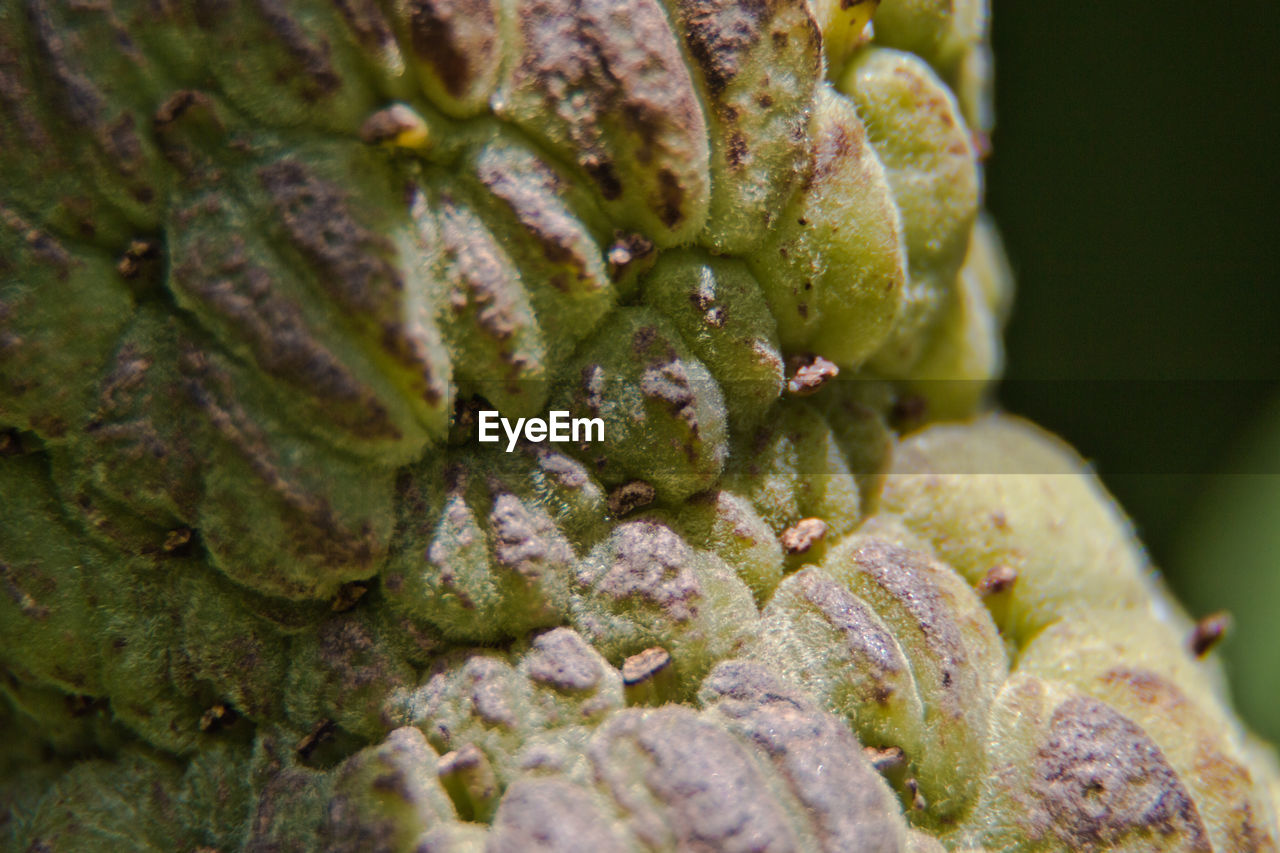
263, 264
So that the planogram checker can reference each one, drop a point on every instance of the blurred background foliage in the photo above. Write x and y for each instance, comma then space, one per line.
1136, 178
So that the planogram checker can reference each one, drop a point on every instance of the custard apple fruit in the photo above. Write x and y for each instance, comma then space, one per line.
269, 270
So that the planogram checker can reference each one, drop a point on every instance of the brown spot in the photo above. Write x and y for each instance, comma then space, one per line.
671, 192
389, 124
177, 540
998, 579
349, 594
1208, 632
982, 145
736, 152
628, 250
458, 39
320, 733
131, 263
218, 717
644, 666
918, 802
630, 496
81, 705
602, 79
886, 760
803, 535
908, 411
10, 443
809, 374
364, 18
311, 69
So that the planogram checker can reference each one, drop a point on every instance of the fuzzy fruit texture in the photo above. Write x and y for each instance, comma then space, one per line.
263, 265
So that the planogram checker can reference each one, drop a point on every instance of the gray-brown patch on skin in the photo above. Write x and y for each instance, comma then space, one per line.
1100, 781
1216, 769
458, 39
803, 535
365, 19
313, 526
670, 383
903, 575
352, 262
311, 69
527, 544
244, 296
686, 784
560, 658
560, 237
866, 642
831, 149
720, 33
815, 753
612, 85
490, 695
539, 815
46, 248
484, 286
649, 563
352, 659
630, 496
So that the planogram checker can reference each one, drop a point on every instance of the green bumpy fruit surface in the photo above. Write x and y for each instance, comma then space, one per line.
262, 267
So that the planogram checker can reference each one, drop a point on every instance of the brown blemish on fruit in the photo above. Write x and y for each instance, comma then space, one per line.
136, 256
999, 578
320, 733
349, 595
630, 496
803, 535
391, 124
809, 374
217, 717
457, 38
610, 81
644, 666
1208, 633
873, 652
1099, 780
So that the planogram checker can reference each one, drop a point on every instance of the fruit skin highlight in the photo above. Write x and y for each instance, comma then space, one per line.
262, 266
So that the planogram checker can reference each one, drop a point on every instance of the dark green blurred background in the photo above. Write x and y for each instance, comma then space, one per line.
1136, 179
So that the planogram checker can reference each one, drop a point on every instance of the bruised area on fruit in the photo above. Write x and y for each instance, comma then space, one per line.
264, 587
